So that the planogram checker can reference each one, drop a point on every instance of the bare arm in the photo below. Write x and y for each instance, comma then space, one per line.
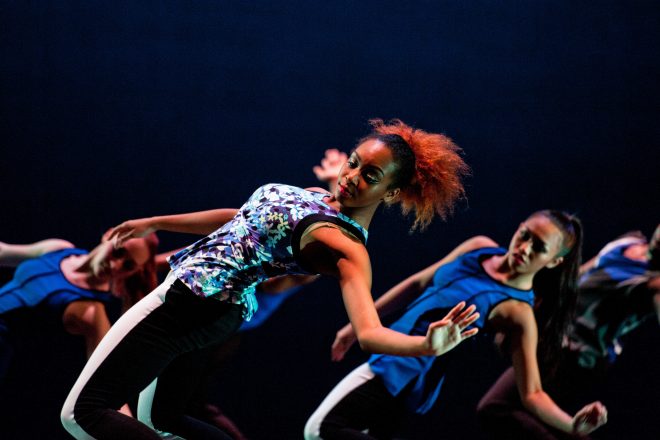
518, 320
201, 222
13, 254
405, 292
331, 252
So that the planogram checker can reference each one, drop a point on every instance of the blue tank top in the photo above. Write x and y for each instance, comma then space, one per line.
463, 279
616, 265
260, 242
40, 281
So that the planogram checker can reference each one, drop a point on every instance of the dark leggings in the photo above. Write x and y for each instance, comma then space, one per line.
368, 407
502, 415
169, 340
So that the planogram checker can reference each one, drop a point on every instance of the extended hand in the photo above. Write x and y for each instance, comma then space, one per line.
589, 418
330, 165
450, 331
343, 341
131, 229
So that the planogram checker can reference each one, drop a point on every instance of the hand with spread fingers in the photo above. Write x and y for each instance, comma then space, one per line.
450, 331
131, 229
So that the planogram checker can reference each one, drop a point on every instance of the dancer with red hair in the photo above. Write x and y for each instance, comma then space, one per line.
280, 230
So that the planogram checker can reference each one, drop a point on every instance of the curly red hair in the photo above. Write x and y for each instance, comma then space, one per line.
436, 184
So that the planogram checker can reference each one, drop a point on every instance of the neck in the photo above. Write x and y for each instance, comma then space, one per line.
362, 215
499, 268
81, 274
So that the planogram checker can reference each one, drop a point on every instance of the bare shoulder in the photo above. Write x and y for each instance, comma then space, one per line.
513, 313
478, 242
324, 245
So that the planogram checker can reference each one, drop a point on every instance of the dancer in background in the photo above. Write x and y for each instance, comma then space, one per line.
618, 291
280, 230
539, 267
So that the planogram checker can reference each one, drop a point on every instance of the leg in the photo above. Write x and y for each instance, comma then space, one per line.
167, 323
502, 415
360, 402
89, 319
164, 403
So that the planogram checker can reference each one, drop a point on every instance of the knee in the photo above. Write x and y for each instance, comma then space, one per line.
67, 419
312, 429
84, 317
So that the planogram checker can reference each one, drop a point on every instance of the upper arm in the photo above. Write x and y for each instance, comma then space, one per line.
14, 254
425, 276
516, 320
333, 252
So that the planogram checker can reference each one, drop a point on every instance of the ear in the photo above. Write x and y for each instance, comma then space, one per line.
555, 262
392, 195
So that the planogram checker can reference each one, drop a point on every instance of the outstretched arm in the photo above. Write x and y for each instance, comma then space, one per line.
329, 251
201, 222
518, 319
13, 254
405, 292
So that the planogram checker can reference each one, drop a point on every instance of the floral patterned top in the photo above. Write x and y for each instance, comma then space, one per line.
260, 242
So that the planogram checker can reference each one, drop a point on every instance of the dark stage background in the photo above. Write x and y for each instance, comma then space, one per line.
124, 109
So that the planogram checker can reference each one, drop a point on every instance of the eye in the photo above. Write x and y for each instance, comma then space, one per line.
118, 253
524, 235
538, 247
129, 265
352, 163
371, 178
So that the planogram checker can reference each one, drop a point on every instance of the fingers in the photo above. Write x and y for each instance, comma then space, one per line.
455, 311
469, 333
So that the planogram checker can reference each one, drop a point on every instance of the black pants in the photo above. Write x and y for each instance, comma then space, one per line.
368, 407
166, 335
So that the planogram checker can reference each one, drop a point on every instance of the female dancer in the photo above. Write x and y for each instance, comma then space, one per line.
74, 283
618, 291
280, 230
543, 254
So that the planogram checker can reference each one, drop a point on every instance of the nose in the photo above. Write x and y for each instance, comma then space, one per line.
352, 176
525, 247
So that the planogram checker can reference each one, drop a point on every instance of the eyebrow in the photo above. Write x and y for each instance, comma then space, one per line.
374, 167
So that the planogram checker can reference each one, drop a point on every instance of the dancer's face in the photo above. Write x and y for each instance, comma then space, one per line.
535, 245
108, 262
366, 177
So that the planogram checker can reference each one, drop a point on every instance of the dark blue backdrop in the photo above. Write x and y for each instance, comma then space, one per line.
124, 109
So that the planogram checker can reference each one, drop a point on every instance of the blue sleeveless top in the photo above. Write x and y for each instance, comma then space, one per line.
260, 242
40, 281
463, 279
617, 266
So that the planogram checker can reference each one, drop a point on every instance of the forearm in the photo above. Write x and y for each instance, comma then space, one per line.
386, 341
201, 222
543, 407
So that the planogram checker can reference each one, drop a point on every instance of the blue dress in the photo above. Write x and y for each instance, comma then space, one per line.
463, 279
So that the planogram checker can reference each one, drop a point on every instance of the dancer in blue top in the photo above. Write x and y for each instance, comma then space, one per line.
75, 284
542, 259
618, 291
280, 230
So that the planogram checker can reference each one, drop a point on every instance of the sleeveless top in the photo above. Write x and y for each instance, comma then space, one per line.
463, 279
260, 242
40, 281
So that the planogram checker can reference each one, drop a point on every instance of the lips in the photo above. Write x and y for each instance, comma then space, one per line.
344, 191
518, 259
